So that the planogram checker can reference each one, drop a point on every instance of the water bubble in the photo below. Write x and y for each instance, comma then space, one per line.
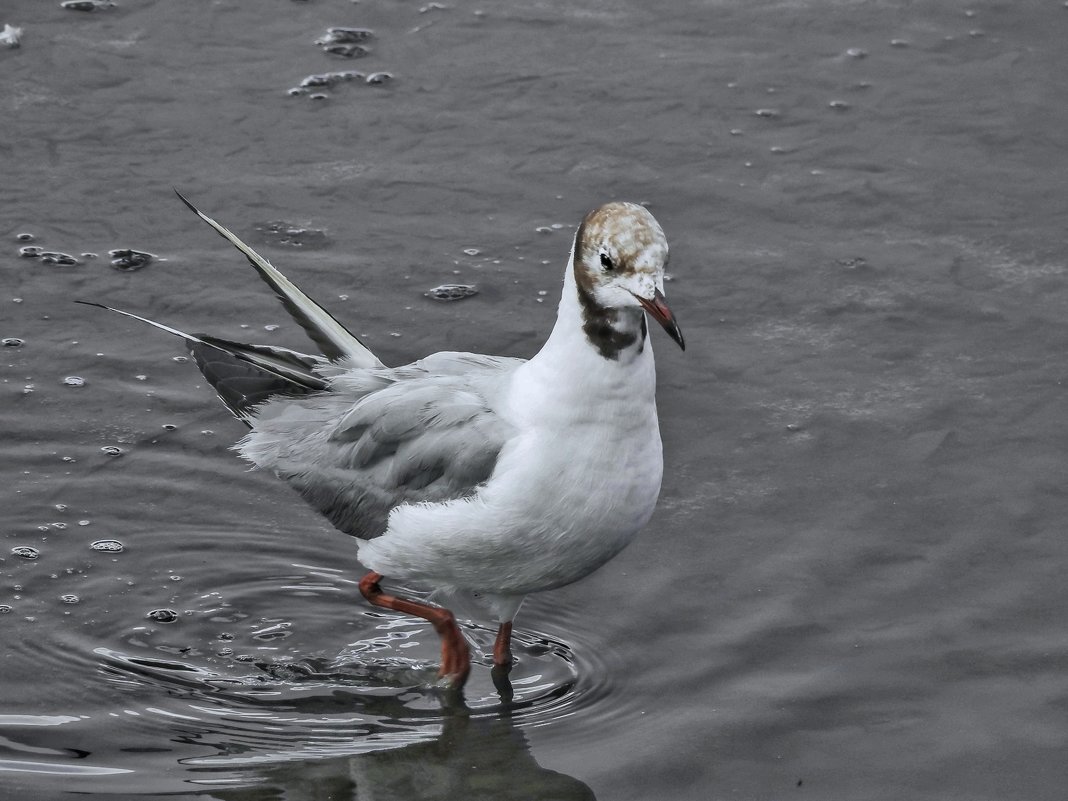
85, 5
74, 381
25, 551
129, 260
84, 522
170, 427
271, 327
899, 43
766, 112
379, 78
5, 609
43, 527
112, 450
328, 79
24, 237
452, 292
543, 229
275, 632
347, 50
163, 615
471, 251
856, 52
12, 342
345, 35
852, 262
69, 598
30, 251
279, 232
60, 507
59, 526
179, 359
226, 636
345, 42
62, 259
839, 105
175, 578
111, 546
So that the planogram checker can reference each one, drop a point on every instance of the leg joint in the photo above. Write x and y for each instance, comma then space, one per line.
369, 588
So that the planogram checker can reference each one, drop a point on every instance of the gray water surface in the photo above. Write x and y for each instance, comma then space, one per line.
854, 585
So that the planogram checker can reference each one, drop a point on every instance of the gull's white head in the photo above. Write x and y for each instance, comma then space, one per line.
620, 256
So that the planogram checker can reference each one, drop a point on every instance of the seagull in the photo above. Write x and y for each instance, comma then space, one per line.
486, 477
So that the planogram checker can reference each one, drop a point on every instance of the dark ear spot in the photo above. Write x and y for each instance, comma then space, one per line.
606, 262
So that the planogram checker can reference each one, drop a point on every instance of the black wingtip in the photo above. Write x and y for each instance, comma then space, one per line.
91, 303
185, 200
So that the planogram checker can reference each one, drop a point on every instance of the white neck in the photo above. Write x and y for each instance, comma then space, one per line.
570, 330
571, 368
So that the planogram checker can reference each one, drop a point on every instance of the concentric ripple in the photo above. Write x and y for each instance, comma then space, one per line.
378, 693
236, 666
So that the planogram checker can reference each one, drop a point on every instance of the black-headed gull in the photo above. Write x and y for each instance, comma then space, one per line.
488, 476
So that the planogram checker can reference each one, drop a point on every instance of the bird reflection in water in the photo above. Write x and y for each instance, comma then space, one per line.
474, 756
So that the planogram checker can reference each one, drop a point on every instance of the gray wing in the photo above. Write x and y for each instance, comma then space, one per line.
425, 432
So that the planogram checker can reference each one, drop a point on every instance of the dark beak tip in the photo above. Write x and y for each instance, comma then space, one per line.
676, 334
658, 309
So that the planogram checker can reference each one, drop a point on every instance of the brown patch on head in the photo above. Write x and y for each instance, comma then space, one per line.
626, 232
616, 239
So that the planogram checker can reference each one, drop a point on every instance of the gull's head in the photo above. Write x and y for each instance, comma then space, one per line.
620, 256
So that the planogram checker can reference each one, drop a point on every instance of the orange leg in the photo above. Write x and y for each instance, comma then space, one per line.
455, 658
502, 646
502, 662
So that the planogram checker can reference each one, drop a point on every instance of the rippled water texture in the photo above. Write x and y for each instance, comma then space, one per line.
854, 585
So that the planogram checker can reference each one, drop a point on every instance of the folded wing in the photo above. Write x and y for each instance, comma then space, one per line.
425, 432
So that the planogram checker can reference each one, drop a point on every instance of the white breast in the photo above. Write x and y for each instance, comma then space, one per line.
569, 492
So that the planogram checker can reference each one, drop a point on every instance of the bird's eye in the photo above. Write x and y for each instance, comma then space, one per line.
606, 262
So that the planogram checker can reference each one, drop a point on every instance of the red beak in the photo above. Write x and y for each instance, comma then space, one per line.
659, 311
